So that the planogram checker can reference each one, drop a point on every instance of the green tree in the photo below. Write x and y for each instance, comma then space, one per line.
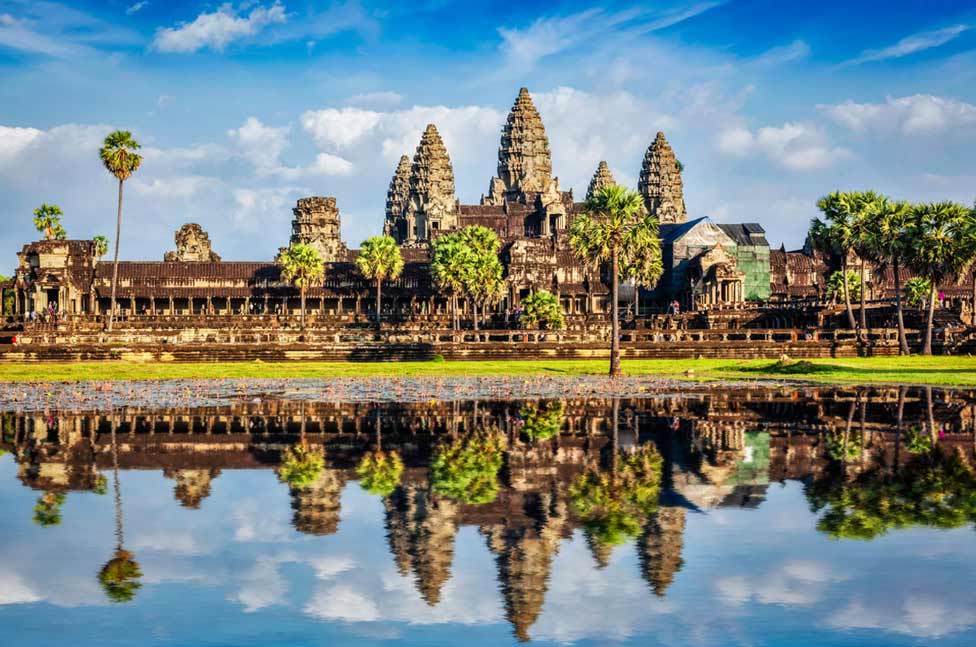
47, 512
542, 310
301, 465
613, 229
119, 577
101, 246
451, 268
301, 265
917, 289
834, 236
466, 469
836, 289
486, 284
379, 260
120, 159
47, 220
968, 234
543, 421
889, 241
939, 253
864, 241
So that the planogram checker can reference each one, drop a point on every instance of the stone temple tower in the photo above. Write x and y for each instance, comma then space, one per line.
660, 183
431, 204
316, 223
524, 159
602, 178
396, 201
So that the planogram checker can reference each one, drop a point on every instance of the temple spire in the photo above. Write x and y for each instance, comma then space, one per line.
660, 183
524, 160
602, 178
396, 200
431, 205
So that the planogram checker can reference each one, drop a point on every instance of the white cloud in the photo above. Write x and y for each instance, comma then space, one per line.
339, 128
796, 50
918, 114
262, 586
13, 590
217, 30
794, 146
175, 187
912, 44
259, 144
14, 140
136, 8
342, 603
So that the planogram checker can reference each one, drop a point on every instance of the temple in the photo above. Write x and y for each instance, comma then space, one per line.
723, 276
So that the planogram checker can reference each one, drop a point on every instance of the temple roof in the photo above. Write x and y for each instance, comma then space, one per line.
601, 178
747, 233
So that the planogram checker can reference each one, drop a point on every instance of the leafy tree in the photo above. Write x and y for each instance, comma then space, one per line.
936, 488
101, 246
379, 472
379, 260
889, 241
451, 267
835, 236
7, 305
485, 282
542, 422
917, 289
843, 447
466, 469
47, 512
939, 253
863, 219
968, 235
119, 577
836, 289
918, 442
301, 265
120, 159
301, 466
542, 310
613, 229
47, 220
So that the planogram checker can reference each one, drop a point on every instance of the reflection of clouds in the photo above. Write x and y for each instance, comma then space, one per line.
797, 582
919, 615
328, 567
13, 590
342, 603
179, 543
261, 586
253, 524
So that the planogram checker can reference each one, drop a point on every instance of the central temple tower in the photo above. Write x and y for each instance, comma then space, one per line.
660, 183
524, 159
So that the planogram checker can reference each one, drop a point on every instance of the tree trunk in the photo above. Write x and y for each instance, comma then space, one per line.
379, 303
847, 293
931, 415
301, 292
474, 312
614, 318
863, 315
115, 263
901, 424
902, 339
927, 346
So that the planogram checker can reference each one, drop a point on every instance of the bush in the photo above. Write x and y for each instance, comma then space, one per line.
542, 310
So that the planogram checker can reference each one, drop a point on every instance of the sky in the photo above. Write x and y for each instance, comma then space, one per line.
242, 108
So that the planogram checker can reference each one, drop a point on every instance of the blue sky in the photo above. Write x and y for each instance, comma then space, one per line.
245, 107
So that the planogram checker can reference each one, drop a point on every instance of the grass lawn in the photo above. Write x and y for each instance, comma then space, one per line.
948, 371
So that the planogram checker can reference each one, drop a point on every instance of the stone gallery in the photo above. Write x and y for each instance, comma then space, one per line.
709, 267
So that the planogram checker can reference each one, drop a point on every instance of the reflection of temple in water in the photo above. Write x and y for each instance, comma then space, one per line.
719, 448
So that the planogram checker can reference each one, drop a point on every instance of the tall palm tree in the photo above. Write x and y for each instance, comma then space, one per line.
47, 220
379, 260
937, 234
485, 282
863, 219
120, 575
890, 245
451, 268
613, 229
118, 156
101, 246
301, 265
835, 237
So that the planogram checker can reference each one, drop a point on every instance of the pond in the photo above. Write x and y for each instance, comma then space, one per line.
364, 512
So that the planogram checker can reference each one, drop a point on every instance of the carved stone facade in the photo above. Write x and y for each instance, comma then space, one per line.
660, 183
192, 246
524, 160
397, 196
601, 179
431, 206
316, 223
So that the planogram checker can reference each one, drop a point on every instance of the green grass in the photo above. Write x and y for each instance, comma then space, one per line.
947, 371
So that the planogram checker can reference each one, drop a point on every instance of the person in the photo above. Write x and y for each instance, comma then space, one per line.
941, 299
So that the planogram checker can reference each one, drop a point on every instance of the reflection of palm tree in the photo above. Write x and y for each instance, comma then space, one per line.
47, 512
379, 473
120, 575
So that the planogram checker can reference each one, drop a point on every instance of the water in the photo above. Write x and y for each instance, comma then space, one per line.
759, 516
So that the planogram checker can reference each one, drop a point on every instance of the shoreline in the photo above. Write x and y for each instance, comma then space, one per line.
913, 370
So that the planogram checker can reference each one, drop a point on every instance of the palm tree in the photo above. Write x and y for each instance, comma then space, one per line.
300, 265
485, 283
101, 246
451, 268
612, 228
939, 255
968, 230
889, 243
379, 259
47, 220
120, 575
118, 156
863, 219
834, 237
